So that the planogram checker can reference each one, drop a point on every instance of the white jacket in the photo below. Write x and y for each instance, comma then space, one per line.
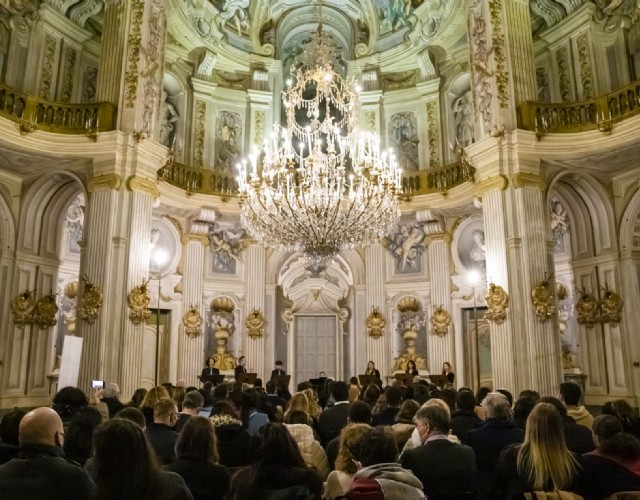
313, 454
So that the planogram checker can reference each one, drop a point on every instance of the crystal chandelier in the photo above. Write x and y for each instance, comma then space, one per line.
320, 185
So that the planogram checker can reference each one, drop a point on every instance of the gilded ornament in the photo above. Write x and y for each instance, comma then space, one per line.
255, 324
440, 321
376, 323
407, 304
90, 302
192, 322
138, 302
22, 307
497, 302
45, 312
611, 307
542, 298
588, 309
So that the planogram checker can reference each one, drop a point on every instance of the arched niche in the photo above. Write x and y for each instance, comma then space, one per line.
174, 114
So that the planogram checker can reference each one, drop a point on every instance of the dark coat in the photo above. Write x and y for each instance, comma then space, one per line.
385, 417
332, 420
272, 480
183, 418
443, 467
205, 480
207, 372
487, 443
602, 477
7, 452
162, 439
507, 484
578, 437
277, 373
462, 421
233, 445
40, 472
238, 370
114, 406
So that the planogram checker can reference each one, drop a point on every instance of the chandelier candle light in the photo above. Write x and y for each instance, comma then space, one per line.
320, 185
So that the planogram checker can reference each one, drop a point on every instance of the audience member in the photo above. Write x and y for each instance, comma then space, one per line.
359, 413
137, 398
233, 440
370, 394
379, 475
197, 460
480, 395
40, 469
615, 464
9, 432
578, 438
446, 469
627, 415
388, 415
464, 418
570, 395
421, 394
126, 469
354, 389
404, 426
529, 394
314, 456
542, 463
332, 420
191, 405
111, 397
178, 396
160, 432
276, 469
341, 478
150, 400
277, 403
134, 415
251, 418
488, 440
78, 440
521, 411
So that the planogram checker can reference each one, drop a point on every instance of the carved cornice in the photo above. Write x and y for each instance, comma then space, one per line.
187, 238
143, 184
446, 237
109, 181
491, 184
523, 179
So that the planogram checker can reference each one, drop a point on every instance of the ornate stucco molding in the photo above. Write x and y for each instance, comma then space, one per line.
136, 183
109, 181
522, 179
492, 183
189, 237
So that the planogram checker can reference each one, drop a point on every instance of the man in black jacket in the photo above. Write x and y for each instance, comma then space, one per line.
445, 469
41, 471
332, 420
161, 434
464, 418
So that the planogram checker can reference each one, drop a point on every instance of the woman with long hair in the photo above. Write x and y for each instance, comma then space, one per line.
447, 371
340, 479
137, 398
125, 467
151, 399
233, 440
276, 467
251, 418
542, 463
411, 371
197, 460
372, 370
78, 439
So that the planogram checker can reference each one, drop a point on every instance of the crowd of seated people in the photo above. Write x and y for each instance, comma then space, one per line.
337, 441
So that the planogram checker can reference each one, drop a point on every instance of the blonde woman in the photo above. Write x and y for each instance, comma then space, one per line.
542, 463
314, 407
154, 395
341, 478
300, 402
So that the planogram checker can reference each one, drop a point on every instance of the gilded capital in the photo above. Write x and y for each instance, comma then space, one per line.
522, 179
143, 184
446, 237
189, 237
491, 184
108, 181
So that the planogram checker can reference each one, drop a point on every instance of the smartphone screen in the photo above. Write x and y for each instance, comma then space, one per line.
97, 384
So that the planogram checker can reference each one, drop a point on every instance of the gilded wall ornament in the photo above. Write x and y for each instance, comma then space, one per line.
497, 302
192, 322
45, 312
201, 115
433, 134
134, 45
440, 321
138, 302
376, 323
499, 52
611, 307
90, 302
587, 308
255, 324
22, 307
542, 298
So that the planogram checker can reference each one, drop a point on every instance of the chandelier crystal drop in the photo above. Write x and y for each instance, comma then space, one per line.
320, 185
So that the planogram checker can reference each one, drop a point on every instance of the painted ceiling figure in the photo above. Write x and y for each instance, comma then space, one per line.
236, 10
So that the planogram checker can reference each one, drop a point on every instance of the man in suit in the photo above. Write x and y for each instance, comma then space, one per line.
240, 368
332, 420
278, 372
208, 371
444, 468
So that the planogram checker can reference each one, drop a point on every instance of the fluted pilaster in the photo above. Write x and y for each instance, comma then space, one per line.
191, 349
377, 349
113, 37
255, 299
520, 44
439, 349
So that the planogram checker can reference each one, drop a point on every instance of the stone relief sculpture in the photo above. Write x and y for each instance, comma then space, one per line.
480, 58
478, 252
236, 11
228, 141
394, 14
558, 220
74, 220
406, 246
89, 82
565, 308
227, 246
168, 120
463, 119
403, 135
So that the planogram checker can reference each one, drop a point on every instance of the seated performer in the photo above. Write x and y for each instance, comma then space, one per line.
279, 371
208, 371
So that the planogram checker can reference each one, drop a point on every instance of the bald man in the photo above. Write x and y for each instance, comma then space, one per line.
41, 471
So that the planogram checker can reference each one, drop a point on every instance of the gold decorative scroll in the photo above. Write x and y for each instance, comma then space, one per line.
542, 298
138, 302
611, 307
45, 312
255, 324
192, 322
588, 309
376, 323
440, 321
497, 302
90, 302
22, 307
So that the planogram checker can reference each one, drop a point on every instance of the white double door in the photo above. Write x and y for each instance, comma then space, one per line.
315, 346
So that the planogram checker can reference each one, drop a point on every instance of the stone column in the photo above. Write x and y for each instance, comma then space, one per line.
114, 34
191, 348
377, 349
254, 349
